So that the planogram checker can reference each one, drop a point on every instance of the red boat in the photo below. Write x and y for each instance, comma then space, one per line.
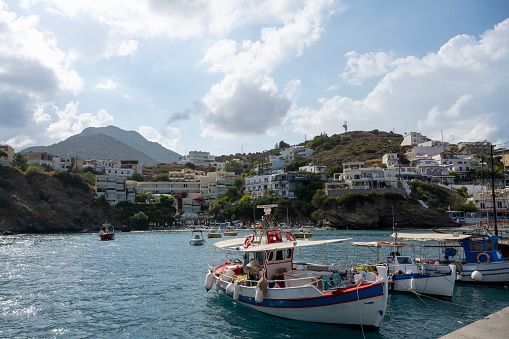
107, 232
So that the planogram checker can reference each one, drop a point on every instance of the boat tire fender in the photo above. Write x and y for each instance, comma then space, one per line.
289, 236
483, 254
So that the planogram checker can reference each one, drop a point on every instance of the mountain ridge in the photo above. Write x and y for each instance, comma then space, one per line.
109, 143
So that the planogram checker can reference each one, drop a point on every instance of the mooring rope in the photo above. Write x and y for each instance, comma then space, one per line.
419, 296
161, 318
360, 313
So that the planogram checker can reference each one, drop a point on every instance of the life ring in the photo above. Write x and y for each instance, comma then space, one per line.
290, 236
482, 254
249, 240
383, 242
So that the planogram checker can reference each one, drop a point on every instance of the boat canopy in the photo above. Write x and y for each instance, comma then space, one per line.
237, 244
423, 237
379, 244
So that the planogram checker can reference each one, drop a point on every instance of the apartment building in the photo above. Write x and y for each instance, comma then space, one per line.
40, 158
10, 154
198, 158
461, 164
282, 184
296, 151
413, 138
484, 200
313, 169
355, 175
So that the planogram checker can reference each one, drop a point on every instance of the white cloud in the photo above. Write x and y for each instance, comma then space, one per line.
20, 141
169, 137
32, 68
461, 89
107, 84
246, 101
122, 48
361, 67
69, 122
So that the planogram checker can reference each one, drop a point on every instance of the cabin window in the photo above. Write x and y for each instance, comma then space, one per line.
390, 260
280, 255
271, 256
404, 260
259, 257
488, 246
289, 253
476, 246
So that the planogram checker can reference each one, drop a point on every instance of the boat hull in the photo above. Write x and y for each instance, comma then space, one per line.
196, 242
107, 236
492, 273
363, 306
439, 284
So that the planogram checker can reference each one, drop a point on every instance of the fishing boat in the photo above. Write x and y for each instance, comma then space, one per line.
107, 232
196, 238
479, 261
300, 234
260, 272
214, 233
430, 278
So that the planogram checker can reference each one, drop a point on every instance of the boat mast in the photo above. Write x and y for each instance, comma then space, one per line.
493, 192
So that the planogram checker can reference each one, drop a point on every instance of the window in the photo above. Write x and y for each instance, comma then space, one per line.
476, 246
259, 257
489, 245
280, 255
271, 256
404, 260
289, 253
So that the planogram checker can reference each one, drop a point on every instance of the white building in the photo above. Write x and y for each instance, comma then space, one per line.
282, 184
198, 158
355, 175
300, 151
272, 163
313, 169
461, 164
390, 159
413, 138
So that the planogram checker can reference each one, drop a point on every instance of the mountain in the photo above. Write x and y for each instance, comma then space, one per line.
136, 141
110, 143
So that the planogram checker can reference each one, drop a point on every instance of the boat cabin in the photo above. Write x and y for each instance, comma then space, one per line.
401, 263
482, 250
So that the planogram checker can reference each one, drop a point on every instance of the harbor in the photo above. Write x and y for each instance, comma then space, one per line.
150, 284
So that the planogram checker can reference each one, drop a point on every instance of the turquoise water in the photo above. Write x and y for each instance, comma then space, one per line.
150, 285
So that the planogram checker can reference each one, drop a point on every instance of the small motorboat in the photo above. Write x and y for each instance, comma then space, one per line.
107, 232
214, 233
300, 234
230, 232
431, 278
259, 271
196, 238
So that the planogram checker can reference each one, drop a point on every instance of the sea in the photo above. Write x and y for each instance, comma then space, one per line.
151, 285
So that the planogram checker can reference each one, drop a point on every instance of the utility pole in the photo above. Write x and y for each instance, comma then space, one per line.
493, 192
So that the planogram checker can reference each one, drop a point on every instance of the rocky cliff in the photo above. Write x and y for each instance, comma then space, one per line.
43, 203
380, 214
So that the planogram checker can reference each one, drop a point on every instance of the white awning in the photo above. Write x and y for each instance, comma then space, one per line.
445, 237
237, 244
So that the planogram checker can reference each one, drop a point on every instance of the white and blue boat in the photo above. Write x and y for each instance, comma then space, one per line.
484, 262
479, 261
260, 272
430, 278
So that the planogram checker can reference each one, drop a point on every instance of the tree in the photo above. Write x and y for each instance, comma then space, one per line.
296, 163
190, 165
136, 177
234, 166
239, 183
3, 154
283, 144
334, 169
142, 197
140, 220
19, 161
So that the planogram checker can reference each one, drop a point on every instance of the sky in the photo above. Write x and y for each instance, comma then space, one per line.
231, 76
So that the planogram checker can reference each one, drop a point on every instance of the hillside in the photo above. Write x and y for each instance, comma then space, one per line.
43, 203
136, 141
97, 146
110, 143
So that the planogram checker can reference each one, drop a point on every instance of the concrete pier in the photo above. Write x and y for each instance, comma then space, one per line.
494, 326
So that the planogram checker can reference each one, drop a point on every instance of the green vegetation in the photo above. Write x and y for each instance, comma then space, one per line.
77, 180
432, 195
234, 166
139, 216
466, 207
19, 161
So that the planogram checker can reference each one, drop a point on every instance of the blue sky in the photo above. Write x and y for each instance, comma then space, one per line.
225, 76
